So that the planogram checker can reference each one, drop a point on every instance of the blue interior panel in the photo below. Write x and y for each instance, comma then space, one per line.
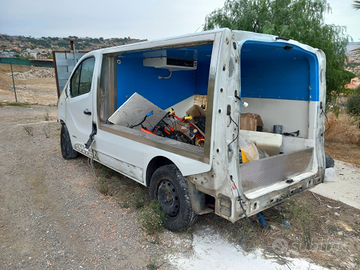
278, 71
133, 77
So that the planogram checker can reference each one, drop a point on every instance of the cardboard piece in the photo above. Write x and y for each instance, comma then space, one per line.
196, 111
251, 121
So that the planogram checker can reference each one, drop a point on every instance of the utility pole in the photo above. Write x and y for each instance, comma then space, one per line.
12, 75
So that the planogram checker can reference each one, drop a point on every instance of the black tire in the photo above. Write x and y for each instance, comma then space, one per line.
67, 150
330, 162
169, 187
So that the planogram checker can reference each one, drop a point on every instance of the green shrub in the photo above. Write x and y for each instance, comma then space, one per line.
103, 185
152, 217
353, 103
139, 197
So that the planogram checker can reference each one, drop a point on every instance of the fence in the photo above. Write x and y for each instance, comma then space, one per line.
34, 62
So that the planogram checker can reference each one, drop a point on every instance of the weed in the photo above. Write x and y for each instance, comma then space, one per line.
106, 172
139, 197
46, 130
248, 238
125, 204
301, 215
152, 266
47, 116
333, 228
102, 185
155, 240
106, 183
151, 218
29, 130
130, 195
124, 195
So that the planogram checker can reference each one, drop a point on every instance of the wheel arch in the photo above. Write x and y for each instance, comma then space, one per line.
155, 163
67, 149
197, 198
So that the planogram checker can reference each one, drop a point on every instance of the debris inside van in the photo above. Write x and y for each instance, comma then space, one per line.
134, 109
199, 117
248, 149
251, 121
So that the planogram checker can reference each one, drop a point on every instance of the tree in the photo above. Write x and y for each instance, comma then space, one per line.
356, 5
353, 105
301, 20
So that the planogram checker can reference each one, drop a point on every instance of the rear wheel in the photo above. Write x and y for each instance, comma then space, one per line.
67, 150
169, 187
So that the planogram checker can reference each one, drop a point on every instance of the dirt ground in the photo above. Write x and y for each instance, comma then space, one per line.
53, 216
33, 90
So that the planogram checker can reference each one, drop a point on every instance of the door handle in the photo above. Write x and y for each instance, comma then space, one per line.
87, 112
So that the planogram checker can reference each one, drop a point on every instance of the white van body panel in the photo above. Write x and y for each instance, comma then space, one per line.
283, 81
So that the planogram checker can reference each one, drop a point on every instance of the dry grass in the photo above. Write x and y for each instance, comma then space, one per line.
342, 138
342, 129
343, 151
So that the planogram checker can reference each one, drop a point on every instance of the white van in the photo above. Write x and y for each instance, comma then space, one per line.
120, 104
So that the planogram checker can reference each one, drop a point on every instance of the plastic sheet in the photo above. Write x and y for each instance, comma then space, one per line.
248, 149
330, 175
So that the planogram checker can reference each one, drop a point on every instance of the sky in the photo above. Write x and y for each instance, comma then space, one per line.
141, 19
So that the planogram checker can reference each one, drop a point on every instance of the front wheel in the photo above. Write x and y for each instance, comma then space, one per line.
169, 187
67, 150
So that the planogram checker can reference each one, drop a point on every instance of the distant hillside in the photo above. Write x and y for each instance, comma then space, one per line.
352, 46
20, 43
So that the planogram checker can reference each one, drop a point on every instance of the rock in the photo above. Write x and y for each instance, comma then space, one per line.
294, 253
340, 233
34, 73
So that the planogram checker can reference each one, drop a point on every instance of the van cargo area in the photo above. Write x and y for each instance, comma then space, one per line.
278, 82
232, 110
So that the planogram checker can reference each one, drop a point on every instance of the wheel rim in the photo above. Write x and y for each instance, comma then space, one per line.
168, 197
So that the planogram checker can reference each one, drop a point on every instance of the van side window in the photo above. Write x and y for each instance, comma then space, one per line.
81, 79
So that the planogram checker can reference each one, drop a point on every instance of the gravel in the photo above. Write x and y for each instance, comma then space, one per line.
51, 214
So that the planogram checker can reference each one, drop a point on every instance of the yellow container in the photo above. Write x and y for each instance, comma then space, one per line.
243, 156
